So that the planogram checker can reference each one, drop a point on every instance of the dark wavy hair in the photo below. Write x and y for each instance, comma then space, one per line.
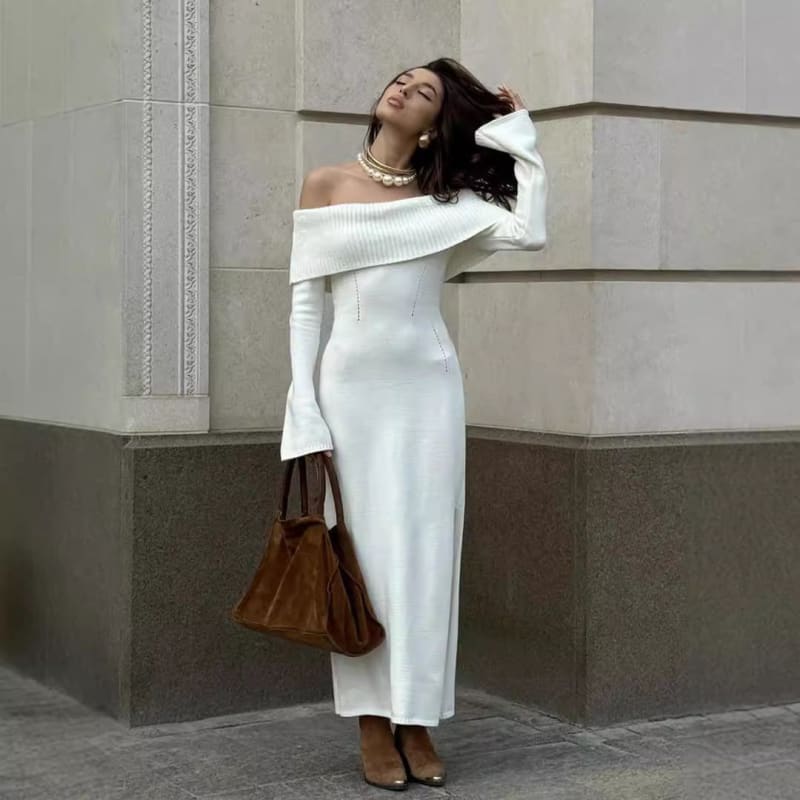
453, 160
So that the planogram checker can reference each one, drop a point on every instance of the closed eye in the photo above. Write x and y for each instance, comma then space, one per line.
422, 93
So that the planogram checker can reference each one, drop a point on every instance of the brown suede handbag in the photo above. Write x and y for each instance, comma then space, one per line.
308, 586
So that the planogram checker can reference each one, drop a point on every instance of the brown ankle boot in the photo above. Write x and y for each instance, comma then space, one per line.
382, 764
422, 763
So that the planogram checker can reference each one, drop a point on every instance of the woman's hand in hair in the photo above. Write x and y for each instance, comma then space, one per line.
511, 97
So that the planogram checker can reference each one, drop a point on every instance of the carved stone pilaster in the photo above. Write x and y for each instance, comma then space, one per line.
166, 387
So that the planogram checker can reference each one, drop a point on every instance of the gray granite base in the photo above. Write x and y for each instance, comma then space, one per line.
601, 582
122, 558
634, 577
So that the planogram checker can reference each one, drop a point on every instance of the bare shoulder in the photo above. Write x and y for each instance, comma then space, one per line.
321, 183
316, 189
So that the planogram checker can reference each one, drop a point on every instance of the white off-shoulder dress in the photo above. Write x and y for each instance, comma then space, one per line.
388, 400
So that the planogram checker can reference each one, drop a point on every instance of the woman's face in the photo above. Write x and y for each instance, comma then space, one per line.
412, 101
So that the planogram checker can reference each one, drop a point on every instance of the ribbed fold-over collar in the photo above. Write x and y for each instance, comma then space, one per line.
345, 236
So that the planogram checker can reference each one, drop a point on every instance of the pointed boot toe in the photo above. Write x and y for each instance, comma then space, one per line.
381, 764
382, 775
427, 769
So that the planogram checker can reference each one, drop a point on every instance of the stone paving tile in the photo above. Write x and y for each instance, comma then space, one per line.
467, 708
661, 769
36, 755
205, 765
777, 781
585, 737
699, 724
516, 772
271, 791
475, 737
535, 790
662, 783
658, 727
308, 711
727, 720
49, 739
475, 699
680, 723
344, 787
296, 733
84, 773
666, 769
104, 783
756, 744
774, 712
732, 716
616, 732
691, 756
24, 788
53, 748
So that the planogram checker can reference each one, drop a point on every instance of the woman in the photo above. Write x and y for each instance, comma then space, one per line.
426, 197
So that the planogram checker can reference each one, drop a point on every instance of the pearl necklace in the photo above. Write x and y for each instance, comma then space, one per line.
383, 173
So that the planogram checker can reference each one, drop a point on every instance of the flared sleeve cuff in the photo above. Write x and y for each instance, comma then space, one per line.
524, 227
304, 428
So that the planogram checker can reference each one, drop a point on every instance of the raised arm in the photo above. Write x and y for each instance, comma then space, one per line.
524, 227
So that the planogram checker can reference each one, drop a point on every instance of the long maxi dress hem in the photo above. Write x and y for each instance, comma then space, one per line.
389, 404
397, 720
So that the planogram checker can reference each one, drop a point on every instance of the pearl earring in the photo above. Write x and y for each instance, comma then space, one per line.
424, 140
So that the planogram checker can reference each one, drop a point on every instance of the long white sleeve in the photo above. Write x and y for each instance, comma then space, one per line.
304, 429
523, 228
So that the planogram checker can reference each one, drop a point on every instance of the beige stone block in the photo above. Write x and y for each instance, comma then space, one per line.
675, 356
772, 30
249, 343
566, 146
674, 53
252, 187
47, 57
626, 193
91, 36
324, 143
164, 414
546, 48
451, 294
350, 51
74, 334
253, 53
131, 47
15, 36
730, 194
15, 160
525, 350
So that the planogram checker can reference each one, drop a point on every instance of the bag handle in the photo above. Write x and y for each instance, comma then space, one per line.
286, 486
327, 462
319, 504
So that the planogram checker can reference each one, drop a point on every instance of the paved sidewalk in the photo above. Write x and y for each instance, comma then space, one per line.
53, 748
